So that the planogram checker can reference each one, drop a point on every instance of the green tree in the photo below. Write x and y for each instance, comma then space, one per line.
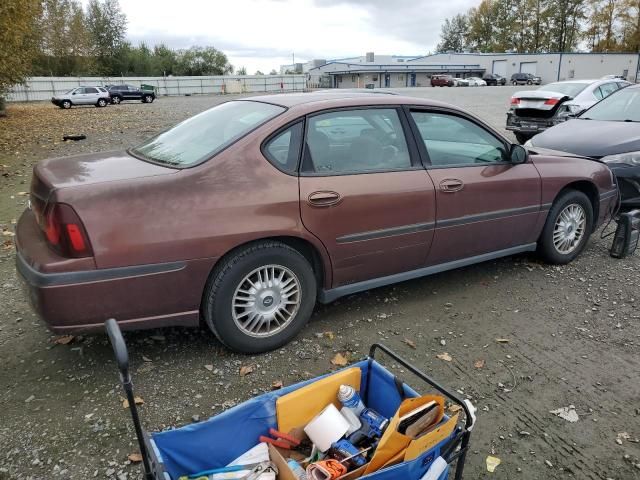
107, 26
242, 71
258, 72
453, 37
273, 72
202, 61
18, 41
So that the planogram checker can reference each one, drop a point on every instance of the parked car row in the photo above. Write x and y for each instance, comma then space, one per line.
101, 96
247, 214
450, 81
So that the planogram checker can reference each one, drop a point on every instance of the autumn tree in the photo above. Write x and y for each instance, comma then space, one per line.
18, 41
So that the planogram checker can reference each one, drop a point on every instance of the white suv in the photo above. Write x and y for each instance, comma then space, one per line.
98, 96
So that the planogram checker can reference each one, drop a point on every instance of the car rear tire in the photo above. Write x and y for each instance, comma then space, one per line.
66, 104
116, 100
567, 229
514, 83
101, 103
260, 297
147, 99
529, 82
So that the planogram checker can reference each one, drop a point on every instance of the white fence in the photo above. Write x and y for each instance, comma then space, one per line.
43, 88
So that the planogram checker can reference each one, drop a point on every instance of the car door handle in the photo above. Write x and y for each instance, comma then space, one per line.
323, 198
450, 185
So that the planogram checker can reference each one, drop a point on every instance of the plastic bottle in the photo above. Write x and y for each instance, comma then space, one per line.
297, 470
350, 399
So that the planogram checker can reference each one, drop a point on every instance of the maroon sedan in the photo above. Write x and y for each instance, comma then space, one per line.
247, 214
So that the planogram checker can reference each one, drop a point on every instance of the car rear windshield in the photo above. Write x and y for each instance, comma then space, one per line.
623, 105
200, 137
571, 89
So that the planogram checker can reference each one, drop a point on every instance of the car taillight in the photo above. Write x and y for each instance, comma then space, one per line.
515, 101
552, 101
65, 232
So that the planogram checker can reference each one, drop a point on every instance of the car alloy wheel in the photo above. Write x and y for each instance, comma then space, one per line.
102, 102
266, 301
569, 228
116, 100
66, 104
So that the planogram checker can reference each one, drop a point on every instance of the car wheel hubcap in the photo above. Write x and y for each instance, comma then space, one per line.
569, 228
266, 301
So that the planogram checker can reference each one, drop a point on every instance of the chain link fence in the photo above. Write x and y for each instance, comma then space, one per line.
43, 88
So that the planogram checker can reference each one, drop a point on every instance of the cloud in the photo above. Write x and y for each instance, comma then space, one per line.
262, 34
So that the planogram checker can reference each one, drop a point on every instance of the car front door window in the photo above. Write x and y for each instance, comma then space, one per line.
356, 141
455, 141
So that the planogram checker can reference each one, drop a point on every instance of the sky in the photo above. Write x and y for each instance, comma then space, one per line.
263, 34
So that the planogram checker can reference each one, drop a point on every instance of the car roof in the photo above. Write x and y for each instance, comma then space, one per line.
327, 99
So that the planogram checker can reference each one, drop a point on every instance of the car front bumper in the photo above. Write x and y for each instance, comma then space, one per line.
628, 178
71, 297
57, 101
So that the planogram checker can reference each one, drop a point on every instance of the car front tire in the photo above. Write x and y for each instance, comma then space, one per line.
260, 297
66, 104
567, 229
522, 137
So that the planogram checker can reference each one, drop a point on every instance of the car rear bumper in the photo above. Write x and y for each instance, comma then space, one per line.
529, 125
140, 296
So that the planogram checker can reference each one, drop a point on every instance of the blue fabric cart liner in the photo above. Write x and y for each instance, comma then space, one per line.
219, 440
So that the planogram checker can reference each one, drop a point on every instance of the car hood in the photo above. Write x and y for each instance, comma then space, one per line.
590, 138
89, 169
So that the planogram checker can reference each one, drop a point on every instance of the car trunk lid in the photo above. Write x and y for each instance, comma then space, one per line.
537, 103
85, 170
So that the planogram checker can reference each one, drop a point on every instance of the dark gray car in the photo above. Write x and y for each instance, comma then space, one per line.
609, 131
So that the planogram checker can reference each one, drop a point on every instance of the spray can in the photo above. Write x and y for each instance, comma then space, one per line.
350, 399
297, 469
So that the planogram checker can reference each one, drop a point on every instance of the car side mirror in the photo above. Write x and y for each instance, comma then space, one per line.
74, 93
518, 154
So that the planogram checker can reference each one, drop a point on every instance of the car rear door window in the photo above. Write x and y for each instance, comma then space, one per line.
283, 150
451, 140
90, 90
356, 141
606, 90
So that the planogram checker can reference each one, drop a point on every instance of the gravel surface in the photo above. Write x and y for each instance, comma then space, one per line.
571, 338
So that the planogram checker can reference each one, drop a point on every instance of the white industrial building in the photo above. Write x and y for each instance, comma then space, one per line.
380, 71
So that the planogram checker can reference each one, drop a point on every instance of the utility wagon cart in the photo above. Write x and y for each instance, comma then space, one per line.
199, 449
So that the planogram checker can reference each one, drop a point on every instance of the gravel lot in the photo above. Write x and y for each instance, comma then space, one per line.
572, 332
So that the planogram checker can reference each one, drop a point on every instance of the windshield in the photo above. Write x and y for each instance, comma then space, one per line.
199, 138
618, 107
571, 89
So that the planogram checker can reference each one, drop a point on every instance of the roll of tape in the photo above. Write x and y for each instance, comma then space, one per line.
327, 427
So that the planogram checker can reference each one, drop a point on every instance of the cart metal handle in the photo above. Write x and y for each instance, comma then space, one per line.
122, 359
467, 406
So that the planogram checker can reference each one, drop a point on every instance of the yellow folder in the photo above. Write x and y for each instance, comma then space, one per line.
393, 444
299, 407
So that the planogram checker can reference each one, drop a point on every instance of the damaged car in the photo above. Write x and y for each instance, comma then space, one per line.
533, 111
608, 131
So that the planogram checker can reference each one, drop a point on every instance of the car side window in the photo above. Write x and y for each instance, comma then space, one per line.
608, 88
79, 90
283, 150
90, 90
356, 141
455, 141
